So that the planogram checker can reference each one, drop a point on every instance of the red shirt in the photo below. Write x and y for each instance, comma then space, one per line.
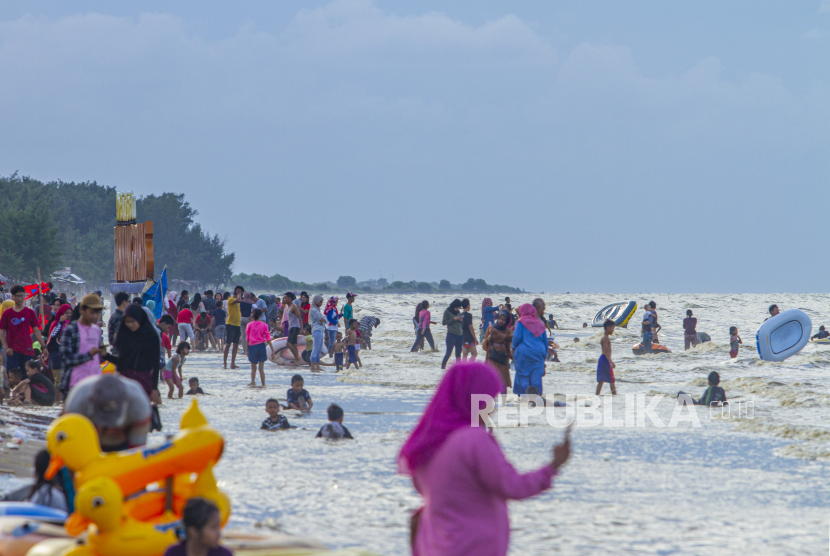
185, 316
306, 308
18, 327
165, 341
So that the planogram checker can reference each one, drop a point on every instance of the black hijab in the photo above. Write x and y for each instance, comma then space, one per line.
139, 350
506, 323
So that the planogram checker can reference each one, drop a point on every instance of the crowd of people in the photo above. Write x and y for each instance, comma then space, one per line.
56, 352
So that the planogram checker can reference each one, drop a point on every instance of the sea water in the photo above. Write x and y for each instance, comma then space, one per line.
746, 481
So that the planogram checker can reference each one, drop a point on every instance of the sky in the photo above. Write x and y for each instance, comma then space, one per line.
638, 146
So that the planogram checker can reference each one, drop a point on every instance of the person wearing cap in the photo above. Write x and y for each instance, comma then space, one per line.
117, 406
81, 345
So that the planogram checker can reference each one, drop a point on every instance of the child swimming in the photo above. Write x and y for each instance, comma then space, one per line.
275, 420
334, 429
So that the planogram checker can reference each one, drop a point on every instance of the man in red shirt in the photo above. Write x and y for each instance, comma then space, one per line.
16, 326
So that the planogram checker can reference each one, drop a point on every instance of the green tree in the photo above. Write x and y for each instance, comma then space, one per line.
423, 287
346, 282
189, 252
28, 241
444, 285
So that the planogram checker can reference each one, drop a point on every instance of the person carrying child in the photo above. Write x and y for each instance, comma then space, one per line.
605, 365
203, 529
334, 429
275, 420
172, 373
298, 397
734, 342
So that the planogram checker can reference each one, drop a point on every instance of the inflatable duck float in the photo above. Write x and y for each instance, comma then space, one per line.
73, 442
100, 502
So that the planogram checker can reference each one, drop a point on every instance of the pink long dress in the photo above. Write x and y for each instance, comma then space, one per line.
465, 487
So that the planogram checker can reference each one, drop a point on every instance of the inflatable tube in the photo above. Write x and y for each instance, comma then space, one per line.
783, 335
655, 348
32, 511
620, 313
703, 337
281, 354
18, 535
821, 341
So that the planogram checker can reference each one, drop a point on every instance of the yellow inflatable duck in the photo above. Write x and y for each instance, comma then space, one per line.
100, 502
73, 441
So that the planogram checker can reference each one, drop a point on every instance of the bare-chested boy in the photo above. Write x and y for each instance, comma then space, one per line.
605, 366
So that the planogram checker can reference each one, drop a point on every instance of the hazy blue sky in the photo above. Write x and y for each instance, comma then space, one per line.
604, 146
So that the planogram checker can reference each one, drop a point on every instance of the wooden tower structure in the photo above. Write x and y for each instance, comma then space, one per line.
134, 259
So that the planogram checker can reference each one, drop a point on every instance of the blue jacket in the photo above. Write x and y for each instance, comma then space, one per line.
527, 348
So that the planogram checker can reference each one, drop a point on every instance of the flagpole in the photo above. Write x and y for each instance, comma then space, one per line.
40, 302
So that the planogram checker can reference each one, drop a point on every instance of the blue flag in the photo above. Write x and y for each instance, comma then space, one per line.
157, 293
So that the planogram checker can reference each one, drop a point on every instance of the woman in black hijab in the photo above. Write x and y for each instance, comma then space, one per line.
138, 348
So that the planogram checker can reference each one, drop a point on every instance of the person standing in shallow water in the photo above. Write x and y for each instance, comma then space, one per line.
530, 348
689, 330
462, 473
452, 320
497, 345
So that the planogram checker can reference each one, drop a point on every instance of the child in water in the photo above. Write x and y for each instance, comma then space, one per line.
194, 387
339, 348
172, 373
605, 366
203, 527
734, 341
714, 395
275, 420
297, 396
334, 429
351, 340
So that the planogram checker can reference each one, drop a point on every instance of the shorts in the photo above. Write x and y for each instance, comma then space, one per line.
352, 354
42, 398
55, 361
219, 331
469, 345
733, 353
357, 347
292, 335
306, 355
186, 332
257, 353
17, 360
604, 371
232, 334
168, 375
338, 359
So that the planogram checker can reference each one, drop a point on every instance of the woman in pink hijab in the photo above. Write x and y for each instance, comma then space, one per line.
462, 473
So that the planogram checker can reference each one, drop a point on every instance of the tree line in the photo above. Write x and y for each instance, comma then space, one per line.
56, 224
260, 283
